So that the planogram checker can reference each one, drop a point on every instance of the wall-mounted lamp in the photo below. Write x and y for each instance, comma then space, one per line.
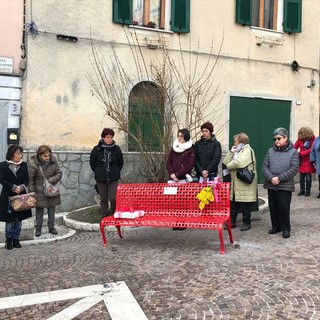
67, 38
295, 66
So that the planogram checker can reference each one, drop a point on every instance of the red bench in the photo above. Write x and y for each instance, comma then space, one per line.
171, 205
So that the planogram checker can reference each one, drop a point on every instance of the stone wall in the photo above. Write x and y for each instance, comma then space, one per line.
77, 183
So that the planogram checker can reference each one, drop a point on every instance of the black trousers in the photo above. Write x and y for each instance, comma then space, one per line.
244, 208
279, 205
107, 192
305, 181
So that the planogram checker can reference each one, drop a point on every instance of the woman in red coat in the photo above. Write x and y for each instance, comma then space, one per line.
304, 144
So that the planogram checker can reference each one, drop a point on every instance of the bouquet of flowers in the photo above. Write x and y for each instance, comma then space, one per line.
208, 194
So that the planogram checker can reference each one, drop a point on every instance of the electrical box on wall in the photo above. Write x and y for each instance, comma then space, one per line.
12, 136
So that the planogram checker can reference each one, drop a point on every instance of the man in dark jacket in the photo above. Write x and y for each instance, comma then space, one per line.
208, 154
106, 161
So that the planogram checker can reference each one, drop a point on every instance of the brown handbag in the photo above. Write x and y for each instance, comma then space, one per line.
23, 202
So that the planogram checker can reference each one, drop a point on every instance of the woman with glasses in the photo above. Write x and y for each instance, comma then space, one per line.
280, 165
181, 157
208, 154
14, 178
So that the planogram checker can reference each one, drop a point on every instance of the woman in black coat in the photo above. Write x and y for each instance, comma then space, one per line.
14, 179
208, 154
106, 161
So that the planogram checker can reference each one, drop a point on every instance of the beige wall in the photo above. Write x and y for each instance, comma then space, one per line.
11, 26
59, 109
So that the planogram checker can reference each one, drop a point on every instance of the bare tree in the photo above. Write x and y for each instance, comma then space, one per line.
180, 93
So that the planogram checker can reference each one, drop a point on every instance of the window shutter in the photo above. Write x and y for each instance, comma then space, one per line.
180, 15
122, 11
243, 12
292, 16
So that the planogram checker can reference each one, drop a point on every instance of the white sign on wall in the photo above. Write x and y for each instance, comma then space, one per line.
6, 65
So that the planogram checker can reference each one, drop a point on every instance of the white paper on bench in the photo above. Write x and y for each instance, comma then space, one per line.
170, 190
129, 214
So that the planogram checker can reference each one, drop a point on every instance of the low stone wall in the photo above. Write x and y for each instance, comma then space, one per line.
77, 183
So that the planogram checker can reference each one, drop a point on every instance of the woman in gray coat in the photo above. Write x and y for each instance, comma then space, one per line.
45, 161
280, 165
242, 195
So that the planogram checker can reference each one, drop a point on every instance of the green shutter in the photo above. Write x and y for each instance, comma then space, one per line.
122, 11
243, 12
180, 15
292, 16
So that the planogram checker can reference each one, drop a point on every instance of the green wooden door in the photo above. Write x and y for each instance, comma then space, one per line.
146, 125
258, 118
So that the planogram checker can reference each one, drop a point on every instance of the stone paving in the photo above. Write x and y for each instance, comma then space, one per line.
179, 274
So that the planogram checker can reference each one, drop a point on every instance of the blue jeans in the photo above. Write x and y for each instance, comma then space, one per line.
13, 229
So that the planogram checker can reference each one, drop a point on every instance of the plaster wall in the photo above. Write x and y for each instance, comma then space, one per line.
59, 109
11, 26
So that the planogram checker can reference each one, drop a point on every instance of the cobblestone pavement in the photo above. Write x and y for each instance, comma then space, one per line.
179, 274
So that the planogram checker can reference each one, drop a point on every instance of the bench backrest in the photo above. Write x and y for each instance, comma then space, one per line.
172, 199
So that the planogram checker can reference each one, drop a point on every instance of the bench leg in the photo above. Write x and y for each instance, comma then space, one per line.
119, 231
221, 241
103, 233
228, 225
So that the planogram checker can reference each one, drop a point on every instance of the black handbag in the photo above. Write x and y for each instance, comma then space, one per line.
246, 175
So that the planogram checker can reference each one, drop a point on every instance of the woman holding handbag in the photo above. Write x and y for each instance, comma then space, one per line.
44, 166
14, 179
242, 195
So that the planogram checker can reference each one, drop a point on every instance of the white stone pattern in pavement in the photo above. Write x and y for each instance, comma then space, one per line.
117, 297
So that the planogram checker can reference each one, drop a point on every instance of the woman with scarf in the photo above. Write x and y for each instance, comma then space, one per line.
44, 165
242, 195
14, 179
208, 154
106, 161
181, 158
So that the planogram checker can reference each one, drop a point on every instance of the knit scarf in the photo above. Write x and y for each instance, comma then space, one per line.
180, 147
235, 154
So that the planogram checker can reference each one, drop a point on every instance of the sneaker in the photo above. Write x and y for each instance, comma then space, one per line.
245, 227
38, 232
301, 193
53, 230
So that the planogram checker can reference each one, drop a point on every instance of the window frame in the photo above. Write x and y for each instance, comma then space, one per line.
171, 20
244, 15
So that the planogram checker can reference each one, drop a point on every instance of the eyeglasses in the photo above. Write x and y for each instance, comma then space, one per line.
277, 139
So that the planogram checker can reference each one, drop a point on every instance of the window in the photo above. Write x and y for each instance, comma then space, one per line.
171, 15
145, 117
279, 15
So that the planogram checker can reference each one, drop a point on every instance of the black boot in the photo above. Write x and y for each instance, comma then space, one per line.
318, 196
307, 194
16, 243
301, 193
9, 244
